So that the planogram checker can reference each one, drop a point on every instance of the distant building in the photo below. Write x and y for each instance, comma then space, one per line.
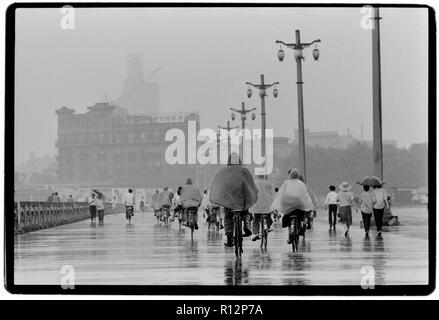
106, 146
139, 95
282, 147
392, 143
326, 139
36, 164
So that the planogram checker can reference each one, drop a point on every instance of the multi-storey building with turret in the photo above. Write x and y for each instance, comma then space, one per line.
108, 147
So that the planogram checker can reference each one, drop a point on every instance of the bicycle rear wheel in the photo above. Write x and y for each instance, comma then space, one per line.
238, 237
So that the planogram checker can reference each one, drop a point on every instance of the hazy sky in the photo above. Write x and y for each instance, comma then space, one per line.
207, 54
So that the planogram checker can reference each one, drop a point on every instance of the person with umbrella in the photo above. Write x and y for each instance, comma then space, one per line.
380, 203
379, 199
345, 200
92, 206
366, 207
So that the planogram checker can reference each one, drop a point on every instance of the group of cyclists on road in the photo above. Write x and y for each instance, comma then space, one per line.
234, 193
244, 206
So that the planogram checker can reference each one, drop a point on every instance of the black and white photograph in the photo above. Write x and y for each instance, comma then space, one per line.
204, 148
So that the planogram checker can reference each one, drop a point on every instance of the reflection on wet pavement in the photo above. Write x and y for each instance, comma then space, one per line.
148, 253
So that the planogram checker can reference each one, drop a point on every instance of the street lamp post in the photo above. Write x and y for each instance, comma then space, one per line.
298, 55
228, 128
376, 101
243, 111
262, 93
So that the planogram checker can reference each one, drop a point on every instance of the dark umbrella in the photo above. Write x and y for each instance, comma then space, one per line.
370, 181
98, 192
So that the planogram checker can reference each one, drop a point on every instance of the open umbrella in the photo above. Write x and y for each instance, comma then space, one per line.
370, 181
98, 192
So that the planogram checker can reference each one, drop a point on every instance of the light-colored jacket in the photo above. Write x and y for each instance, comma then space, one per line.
176, 201
379, 198
205, 203
292, 195
265, 197
312, 196
190, 196
165, 198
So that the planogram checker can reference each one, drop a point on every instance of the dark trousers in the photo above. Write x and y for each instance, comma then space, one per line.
378, 216
332, 214
92, 212
101, 215
228, 220
366, 220
257, 222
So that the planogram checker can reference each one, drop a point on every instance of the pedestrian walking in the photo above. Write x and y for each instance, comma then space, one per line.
92, 206
331, 206
56, 198
70, 199
113, 204
366, 207
380, 203
100, 207
345, 198
262, 206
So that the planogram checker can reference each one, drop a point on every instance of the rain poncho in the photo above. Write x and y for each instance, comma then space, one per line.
265, 197
155, 201
292, 195
233, 188
165, 198
190, 196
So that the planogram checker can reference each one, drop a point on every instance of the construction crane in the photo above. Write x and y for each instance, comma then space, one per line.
152, 73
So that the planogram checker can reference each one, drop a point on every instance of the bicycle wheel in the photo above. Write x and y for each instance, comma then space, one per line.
264, 234
238, 237
296, 233
191, 223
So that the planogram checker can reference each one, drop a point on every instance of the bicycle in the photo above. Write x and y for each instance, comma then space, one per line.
264, 230
190, 220
129, 213
180, 217
237, 233
296, 228
214, 218
165, 215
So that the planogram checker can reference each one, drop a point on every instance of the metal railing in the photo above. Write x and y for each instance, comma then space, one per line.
35, 215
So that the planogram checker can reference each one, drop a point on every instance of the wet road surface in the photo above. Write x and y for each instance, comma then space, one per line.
147, 253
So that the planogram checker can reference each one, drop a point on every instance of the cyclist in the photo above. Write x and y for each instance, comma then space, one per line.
310, 215
165, 199
129, 204
293, 198
155, 202
191, 198
142, 204
205, 205
176, 203
234, 189
262, 206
